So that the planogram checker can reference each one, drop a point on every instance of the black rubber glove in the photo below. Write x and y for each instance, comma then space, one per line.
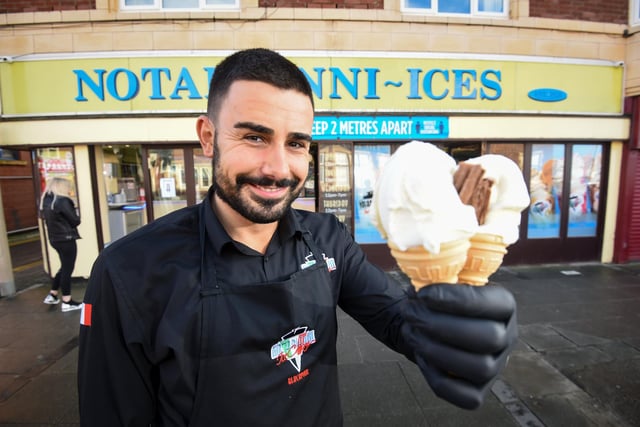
461, 336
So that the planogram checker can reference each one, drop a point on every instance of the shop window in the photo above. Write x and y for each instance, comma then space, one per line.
556, 170
123, 179
168, 185
368, 161
141, 5
202, 174
307, 198
334, 181
479, 8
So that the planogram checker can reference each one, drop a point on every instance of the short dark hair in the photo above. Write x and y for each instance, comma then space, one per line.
259, 64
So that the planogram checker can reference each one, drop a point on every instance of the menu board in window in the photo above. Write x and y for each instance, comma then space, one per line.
334, 181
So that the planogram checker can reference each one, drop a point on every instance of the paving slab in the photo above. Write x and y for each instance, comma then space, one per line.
615, 384
377, 389
541, 337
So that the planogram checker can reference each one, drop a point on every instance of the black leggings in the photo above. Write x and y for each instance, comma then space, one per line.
67, 251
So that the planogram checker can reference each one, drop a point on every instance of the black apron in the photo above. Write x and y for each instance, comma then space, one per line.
268, 350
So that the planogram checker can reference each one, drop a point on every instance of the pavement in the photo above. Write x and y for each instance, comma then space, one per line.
577, 362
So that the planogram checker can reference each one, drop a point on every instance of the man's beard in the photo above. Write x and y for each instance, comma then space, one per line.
267, 210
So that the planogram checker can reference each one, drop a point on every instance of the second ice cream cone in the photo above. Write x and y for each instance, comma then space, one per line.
425, 268
483, 259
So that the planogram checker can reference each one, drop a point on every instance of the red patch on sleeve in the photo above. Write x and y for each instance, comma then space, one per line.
85, 315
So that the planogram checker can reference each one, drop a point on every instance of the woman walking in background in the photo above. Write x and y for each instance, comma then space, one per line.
62, 221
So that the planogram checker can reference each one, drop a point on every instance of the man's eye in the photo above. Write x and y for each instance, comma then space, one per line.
296, 144
254, 138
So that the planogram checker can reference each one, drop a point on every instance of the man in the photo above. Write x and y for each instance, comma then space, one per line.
224, 313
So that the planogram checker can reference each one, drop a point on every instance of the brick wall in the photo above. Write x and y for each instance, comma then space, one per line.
611, 11
18, 6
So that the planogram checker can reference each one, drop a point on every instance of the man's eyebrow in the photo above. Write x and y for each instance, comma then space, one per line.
254, 127
300, 136
268, 131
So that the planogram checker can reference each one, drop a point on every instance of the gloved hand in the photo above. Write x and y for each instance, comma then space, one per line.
461, 336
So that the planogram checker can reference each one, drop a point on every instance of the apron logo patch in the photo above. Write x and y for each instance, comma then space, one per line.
331, 263
308, 262
292, 345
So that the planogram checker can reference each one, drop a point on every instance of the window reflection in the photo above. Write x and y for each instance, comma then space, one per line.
168, 185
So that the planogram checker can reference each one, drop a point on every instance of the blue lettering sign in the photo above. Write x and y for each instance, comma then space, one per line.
97, 87
132, 84
351, 86
185, 82
421, 85
371, 83
156, 83
428, 84
463, 79
363, 128
316, 86
491, 84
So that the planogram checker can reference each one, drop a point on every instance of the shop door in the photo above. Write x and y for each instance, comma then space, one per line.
177, 177
564, 222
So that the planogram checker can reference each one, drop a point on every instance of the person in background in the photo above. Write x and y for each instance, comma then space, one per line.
224, 313
62, 220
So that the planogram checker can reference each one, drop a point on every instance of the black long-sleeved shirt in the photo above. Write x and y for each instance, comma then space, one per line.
61, 218
138, 362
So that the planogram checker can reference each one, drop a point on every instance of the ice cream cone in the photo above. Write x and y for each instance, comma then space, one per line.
483, 259
425, 268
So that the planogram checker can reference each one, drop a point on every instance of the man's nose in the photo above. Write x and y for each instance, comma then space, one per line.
275, 162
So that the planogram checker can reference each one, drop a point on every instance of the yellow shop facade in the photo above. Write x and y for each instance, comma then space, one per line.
121, 125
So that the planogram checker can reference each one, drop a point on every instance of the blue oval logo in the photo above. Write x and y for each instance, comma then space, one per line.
548, 95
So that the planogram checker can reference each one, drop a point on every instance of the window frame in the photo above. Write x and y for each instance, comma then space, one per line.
473, 13
157, 6
634, 13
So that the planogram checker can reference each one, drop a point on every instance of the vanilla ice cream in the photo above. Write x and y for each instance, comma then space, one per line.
509, 196
416, 203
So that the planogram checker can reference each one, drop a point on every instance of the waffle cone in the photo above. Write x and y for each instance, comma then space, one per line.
483, 259
425, 268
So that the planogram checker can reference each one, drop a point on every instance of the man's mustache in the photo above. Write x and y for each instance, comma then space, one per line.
266, 182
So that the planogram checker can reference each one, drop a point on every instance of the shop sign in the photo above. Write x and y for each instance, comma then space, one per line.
341, 81
363, 128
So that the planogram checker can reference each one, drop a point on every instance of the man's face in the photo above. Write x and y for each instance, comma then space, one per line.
261, 149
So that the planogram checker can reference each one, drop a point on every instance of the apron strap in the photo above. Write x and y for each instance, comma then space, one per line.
208, 276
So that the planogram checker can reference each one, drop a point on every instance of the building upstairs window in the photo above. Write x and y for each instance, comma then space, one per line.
479, 8
634, 13
178, 5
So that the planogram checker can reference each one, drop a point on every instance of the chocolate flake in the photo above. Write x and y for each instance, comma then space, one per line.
473, 189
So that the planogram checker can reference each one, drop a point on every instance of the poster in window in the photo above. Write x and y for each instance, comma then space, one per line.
167, 188
584, 197
334, 181
545, 190
368, 163
57, 163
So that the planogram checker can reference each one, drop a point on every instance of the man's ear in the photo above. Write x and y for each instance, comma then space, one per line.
206, 131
